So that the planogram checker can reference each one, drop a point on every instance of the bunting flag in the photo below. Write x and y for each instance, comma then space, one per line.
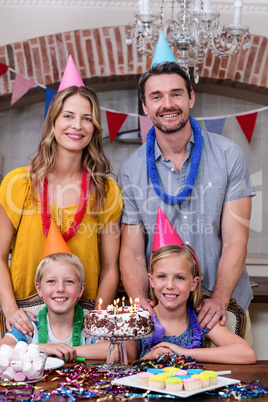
3, 68
21, 86
145, 125
215, 125
50, 93
114, 121
247, 123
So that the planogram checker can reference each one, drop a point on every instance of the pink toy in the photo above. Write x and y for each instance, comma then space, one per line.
70, 76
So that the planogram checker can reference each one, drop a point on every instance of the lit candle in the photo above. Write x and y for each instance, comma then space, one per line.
99, 308
238, 4
135, 305
207, 5
117, 301
123, 301
130, 304
138, 306
114, 307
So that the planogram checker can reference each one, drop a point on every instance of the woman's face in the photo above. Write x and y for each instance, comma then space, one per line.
74, 127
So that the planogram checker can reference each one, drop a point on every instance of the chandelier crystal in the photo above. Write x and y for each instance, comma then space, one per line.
196, 30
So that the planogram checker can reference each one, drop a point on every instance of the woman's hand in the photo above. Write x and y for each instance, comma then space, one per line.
61, 350
19, 319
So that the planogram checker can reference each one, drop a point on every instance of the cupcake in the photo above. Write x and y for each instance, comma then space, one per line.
173, 384
157, 381
213, 377
143, 378
191, 384
155, 371
170, 369
192, 371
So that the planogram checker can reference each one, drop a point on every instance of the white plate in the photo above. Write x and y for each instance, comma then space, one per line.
53, 363
131, 381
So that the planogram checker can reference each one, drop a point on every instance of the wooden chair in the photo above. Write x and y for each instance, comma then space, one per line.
35, 304
236, 320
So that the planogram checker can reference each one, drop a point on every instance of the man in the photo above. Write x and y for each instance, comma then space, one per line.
201, 182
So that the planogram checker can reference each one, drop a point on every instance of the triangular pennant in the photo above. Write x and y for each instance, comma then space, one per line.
50, 93
247, 123
114, 121
21, 86
145, 125
3, 68
215, 125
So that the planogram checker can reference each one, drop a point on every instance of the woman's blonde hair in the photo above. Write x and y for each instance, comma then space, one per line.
188, 253
68, 259
93, 158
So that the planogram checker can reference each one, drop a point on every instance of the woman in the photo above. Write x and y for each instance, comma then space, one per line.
67, 182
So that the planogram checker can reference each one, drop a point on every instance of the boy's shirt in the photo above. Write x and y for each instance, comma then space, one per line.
19, 336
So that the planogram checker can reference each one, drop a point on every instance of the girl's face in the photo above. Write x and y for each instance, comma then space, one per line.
172, 281
74, 127
59, 287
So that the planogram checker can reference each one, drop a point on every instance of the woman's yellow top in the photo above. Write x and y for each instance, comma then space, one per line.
29, 241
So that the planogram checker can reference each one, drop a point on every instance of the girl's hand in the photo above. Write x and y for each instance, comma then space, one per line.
171, 347
20, 320
61, 350
156, 352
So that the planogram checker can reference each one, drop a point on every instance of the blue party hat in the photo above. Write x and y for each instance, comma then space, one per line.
162, 51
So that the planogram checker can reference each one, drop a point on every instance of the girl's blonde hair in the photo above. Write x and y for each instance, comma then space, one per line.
68, 259
93, 158
188, 253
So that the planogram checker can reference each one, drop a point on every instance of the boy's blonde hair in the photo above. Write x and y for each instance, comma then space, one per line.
188, 253
62, 258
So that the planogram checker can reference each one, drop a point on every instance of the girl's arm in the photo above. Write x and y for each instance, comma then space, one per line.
99, 350
231, 348
14, 316
109, 275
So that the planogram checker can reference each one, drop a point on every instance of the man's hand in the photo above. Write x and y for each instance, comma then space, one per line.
19, 319
211, 311
147, 304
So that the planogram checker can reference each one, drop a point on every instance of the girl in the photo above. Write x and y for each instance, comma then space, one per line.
60, 282
176, 289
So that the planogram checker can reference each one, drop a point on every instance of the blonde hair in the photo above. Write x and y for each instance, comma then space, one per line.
188, 253
93, 158
68, 259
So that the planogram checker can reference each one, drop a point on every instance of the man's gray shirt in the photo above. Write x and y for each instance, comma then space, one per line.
223, 176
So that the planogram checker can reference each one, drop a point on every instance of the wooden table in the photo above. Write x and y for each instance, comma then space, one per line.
245, 373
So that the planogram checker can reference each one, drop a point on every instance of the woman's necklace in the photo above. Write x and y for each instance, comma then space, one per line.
194, 324
81, 208
195, 159
77, 325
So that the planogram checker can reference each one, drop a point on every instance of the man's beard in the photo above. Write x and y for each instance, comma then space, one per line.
166, 130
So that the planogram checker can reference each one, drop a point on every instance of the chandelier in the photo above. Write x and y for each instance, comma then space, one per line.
196, 31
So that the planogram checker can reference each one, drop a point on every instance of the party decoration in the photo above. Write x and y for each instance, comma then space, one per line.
114, 121
50, 93
162, 51
247, 123
21, 87
55, 242
164, 232
70, 76
3, 68
145, 125
215, 125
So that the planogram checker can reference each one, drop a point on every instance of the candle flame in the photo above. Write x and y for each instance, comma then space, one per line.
100, 301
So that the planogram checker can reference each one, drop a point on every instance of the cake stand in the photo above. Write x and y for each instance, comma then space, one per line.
117, 360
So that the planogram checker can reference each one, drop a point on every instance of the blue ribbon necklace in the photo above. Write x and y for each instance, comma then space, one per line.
196, 155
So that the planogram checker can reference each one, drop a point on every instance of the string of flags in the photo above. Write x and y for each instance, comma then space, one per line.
115, 119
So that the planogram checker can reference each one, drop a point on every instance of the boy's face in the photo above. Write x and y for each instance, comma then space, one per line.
59, 287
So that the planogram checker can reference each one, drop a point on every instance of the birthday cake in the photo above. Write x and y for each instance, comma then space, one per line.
123, 322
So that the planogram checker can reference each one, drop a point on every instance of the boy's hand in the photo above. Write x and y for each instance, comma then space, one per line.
60, 350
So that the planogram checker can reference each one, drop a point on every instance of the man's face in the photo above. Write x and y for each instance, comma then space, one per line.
167, 102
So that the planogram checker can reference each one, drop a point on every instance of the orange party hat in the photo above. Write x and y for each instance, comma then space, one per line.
70, 76
164, 232
55, 242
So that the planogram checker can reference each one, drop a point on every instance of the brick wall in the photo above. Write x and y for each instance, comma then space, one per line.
103, 52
